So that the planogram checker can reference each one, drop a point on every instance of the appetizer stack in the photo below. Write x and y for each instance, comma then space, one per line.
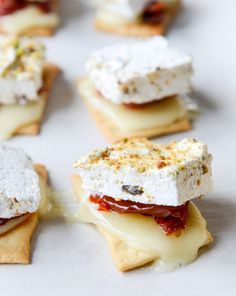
135, 18
28, 17
22, 189
139, 195
25, 83
136, 89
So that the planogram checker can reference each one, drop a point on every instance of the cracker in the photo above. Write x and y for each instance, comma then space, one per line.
114, 134
34, 31
124, 257
15, 244
139, 29
39, 30
50, 73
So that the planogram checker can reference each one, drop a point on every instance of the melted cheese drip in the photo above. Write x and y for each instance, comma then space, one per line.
12, 117
54, 205
50, 207
142, 233
27, 18
161, 113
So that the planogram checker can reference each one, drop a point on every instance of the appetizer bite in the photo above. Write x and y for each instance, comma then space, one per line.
136, 89
29, 17
139, 195
22, 189
25, 84
141, 18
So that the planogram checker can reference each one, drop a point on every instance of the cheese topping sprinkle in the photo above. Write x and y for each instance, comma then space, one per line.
21, 67
165, 174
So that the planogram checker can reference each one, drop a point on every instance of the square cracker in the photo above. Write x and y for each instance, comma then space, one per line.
139, 29
38, 30
49, 75
15, 244
124, 257
114, 134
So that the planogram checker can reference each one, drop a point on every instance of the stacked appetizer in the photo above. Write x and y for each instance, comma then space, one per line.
136, 89
28, 17
139, 194
22, 189
135, 18
25, 83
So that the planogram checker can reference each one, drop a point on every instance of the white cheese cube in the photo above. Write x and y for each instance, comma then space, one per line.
21, 67
19, 183
140, 72
142, 171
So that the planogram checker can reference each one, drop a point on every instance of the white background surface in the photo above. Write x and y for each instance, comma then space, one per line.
73, 259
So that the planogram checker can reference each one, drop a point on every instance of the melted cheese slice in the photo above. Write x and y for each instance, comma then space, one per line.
112, 18
142, 233
158, 114
26, 18
12, 117
12, 223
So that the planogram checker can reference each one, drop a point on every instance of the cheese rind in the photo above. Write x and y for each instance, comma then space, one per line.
19, 183
21, 68
140, 72
164, 174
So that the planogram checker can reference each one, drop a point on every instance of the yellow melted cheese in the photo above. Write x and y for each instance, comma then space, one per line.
142, 233
27, 18
158, 114
12, 223
112, 18
12, 117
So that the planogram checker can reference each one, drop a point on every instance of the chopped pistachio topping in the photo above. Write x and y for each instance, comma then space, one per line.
20, 58
144, 155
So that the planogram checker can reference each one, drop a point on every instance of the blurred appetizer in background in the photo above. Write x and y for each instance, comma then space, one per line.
25, 84
29, 17
22, 190
135, 17
137, 89
139, 196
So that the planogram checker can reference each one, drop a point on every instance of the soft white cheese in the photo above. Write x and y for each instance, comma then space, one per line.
141, 71
19, 183
21, 67
142, 171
